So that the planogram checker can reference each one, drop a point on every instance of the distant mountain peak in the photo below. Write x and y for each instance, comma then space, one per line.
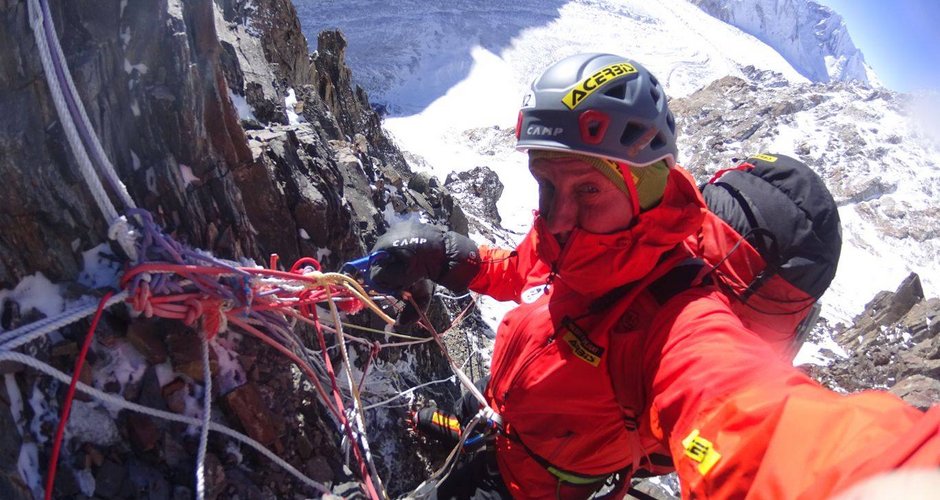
812, 37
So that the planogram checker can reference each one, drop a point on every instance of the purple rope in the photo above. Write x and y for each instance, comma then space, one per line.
60, 69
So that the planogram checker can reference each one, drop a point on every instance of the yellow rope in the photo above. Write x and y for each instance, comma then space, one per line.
353, 286
353, 387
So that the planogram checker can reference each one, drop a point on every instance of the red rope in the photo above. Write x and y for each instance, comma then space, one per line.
189, 307
363, 469
305, 260
70, 395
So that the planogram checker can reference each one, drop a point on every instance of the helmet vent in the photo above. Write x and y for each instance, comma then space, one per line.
655, 94
593, 125
631, 133
618, 92
671, 122
658, 142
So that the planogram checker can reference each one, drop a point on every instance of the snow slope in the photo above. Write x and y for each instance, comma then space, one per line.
451, 78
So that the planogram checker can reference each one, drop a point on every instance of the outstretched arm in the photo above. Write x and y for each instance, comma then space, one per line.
738, 420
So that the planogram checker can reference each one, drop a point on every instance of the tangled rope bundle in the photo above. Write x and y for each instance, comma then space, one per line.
168, 280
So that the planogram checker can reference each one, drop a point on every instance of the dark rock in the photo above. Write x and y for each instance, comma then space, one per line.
9, 441
12, 486
159, 101
246, 404
880, 358
239, 485
884, 310
185, 350
143, 432
66, 348
182, 493
94, 457
923, 319
7, 366
319, 469
422, 182
145, 337
896, 349
110, 479
215, 475
918, 390
151, 394
478, 190
304, 447
147, 481
174, 453
175, 394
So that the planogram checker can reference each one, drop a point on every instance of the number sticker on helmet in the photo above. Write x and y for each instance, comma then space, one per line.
529, 100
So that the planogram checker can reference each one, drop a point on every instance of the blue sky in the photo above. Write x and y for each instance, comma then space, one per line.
900, 39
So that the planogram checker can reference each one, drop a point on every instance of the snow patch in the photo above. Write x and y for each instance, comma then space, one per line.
819, 354
130, 68
100, 267
290, 105
28, 467
43, 416
187, 175
91, 423
120, 363
245, 111
231, 375
135, 161
36, 292
323, 253
86, 481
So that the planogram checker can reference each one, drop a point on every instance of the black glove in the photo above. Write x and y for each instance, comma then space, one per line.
421, 293
417, 251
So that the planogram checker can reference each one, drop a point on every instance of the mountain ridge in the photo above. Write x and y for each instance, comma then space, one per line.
812, 37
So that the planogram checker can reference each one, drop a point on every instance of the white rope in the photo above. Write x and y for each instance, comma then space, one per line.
206, 420
84, 163
428, 488
354, 390
105, 167
27, 333
408, 391
127, 405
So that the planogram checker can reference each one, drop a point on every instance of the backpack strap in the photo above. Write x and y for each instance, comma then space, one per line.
687, 274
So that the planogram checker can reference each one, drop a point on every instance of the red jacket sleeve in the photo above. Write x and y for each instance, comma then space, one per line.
503, 272
741, 422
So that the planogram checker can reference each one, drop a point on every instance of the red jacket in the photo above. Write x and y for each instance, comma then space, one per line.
691, 381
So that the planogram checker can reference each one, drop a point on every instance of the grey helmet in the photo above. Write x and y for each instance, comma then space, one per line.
600, 105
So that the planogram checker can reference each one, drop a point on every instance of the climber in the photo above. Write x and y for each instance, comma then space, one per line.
598, 379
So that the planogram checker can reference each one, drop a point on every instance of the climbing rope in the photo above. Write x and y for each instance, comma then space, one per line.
206, 418
167, 280
120, 403
72, 115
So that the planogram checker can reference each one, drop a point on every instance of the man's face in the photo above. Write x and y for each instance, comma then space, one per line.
573, 194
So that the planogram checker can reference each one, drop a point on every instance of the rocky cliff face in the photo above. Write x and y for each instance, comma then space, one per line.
893, 344
239, 141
